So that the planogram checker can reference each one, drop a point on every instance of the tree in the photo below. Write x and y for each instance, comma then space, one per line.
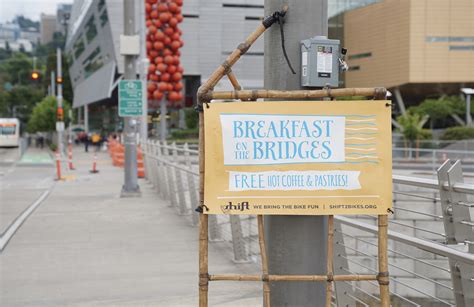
19, 101
441, 109
26, 23
412, 129
436, 109
43, 117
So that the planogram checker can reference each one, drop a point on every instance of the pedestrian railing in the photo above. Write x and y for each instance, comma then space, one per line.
431, 238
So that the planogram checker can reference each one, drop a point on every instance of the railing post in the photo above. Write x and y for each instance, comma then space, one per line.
458, 229
151, 164
238, 242
193, 196
161, 178
145, 160
165, 171
156, 167
181, 201
343, 290
214, 231
463, 216
169, 176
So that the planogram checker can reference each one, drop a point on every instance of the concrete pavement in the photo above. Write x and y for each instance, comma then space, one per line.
85, 246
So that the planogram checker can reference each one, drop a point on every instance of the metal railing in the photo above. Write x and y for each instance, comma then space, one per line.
431, 238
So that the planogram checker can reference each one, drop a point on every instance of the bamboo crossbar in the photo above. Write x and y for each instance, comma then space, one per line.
233, 81
378, 93
264, 278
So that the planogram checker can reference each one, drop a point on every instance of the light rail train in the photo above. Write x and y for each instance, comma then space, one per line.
9, 132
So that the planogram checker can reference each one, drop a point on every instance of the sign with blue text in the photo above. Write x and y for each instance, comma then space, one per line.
130, 98
301, 158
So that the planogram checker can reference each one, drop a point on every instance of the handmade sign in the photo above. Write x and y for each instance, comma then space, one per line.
301, 158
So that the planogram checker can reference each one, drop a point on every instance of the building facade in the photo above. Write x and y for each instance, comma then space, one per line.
47, 28
419, 47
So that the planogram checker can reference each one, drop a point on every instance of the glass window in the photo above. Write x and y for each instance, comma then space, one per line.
92, 63
7, 130
79, 47
444, 39
101, 4
462, 48
91, 29
69, 58
104, 18
360, 56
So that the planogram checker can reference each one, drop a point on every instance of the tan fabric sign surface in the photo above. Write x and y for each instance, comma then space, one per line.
302, 158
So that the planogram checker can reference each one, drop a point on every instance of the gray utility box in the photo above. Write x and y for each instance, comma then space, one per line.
320, 62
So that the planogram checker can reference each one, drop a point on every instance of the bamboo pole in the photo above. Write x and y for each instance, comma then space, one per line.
383, 276
330, 260
275, 278
263, 254
203, 225
233, 80
379, 93
217, 75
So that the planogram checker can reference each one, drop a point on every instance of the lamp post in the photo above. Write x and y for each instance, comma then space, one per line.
468, 92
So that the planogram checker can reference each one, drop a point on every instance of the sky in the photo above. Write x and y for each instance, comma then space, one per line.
28, 8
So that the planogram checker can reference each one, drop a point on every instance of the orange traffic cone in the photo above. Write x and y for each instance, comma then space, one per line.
94, 169
58, 166
71, 166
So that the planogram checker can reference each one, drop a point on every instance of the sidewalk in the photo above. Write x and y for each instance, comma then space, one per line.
85, 246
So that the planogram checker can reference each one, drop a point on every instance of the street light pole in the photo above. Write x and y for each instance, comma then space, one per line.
468, 92
296, 244
60, 111
144, 62
53, 84
130, 187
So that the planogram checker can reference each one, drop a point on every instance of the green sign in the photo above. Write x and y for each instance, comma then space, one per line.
130, 98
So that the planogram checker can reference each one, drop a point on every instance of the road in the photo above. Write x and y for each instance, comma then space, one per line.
23, 182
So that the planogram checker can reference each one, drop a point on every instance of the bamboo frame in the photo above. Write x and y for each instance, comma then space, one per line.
263, 254
205, 95
330, 260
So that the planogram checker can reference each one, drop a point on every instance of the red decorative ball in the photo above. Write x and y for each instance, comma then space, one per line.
163, 86
173, 7
151, 68
161, 67
157, 23
158, 45
169, 31
178, 86
158, 60
171, 69
169, 59
157, 95
177, 76
175, 45
165, 17
160, 36
152, 29
173, 22
165, 77
154, 14
151, 87
162, 7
